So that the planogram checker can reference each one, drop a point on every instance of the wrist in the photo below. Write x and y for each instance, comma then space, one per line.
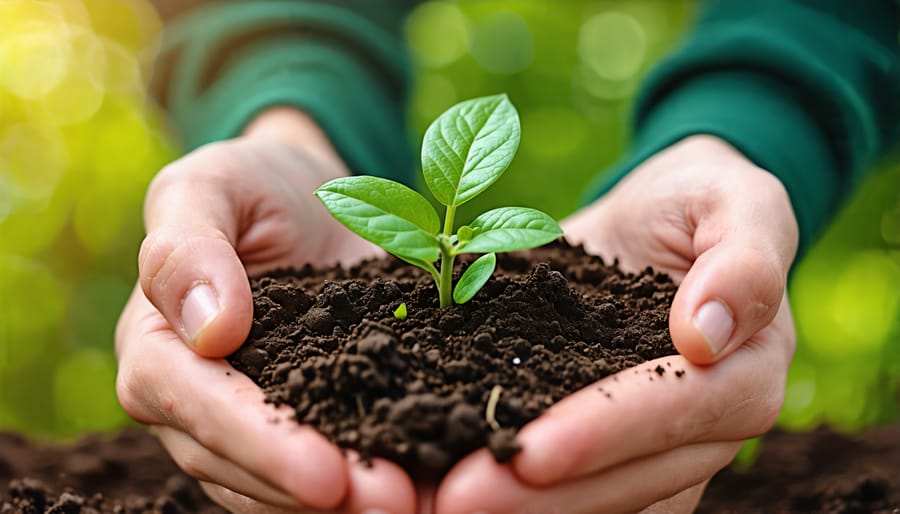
296, 128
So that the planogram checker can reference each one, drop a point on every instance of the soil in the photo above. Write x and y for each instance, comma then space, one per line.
128, 473
426, 390
815, 473
822, 472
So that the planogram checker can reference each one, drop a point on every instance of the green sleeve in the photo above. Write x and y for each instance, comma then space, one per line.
343, 62
809, 90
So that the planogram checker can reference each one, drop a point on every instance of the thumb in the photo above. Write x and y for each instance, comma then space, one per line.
735, 286
189, 269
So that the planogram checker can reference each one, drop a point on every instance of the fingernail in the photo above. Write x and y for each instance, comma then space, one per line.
200, 307
715, 323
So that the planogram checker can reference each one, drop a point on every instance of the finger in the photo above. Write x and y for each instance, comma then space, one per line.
188, 266
375, 486
200, 463
649, 413
162, 382
379, 487
236, 502
479, 484
686, 501
744, 245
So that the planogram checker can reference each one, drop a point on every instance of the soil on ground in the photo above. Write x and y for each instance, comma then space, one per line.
428, 389
815, 473
128, 473
822, 472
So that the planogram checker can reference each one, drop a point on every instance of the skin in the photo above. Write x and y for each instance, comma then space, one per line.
718, 224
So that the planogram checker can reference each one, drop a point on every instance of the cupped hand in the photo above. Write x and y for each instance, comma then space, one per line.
725, 230
226, 210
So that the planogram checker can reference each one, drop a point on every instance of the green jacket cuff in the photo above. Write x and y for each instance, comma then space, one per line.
230, 61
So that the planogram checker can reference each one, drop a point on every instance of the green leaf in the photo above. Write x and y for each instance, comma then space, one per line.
474, 278
386, 213
464, 234
468, 147
400, 311
510, 228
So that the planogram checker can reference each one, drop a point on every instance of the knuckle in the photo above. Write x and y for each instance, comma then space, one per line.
129, 387
159, 260
768, 280
192, 463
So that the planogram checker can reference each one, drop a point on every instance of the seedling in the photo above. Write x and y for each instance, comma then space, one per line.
400, 311
465, 150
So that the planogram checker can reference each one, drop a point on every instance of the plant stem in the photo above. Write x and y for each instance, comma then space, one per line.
445, 287
445, 284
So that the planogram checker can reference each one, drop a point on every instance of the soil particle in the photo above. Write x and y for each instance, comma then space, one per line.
549, 322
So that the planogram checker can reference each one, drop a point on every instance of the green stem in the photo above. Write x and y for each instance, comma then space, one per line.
445, 285
448, 220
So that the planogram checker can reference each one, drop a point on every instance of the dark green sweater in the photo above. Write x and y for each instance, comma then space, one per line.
807, 89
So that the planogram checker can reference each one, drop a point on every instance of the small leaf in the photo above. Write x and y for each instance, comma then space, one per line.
474, 278
468, 147
511, 228
386, 213
400, 311
464, 234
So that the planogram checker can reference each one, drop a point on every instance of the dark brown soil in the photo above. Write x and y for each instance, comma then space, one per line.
126, 474
416, 390
814, 473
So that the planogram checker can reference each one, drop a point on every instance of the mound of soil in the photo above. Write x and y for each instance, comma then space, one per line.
128, 473
426, 390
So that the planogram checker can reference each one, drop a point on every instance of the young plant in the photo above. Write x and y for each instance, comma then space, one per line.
464, 151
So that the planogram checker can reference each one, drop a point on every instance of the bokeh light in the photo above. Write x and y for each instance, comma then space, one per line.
78, 146
32, 302
503, 43
87, 373
612, 45
438, 34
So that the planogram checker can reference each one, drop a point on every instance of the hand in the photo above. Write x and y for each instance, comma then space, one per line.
724, 228
228, 209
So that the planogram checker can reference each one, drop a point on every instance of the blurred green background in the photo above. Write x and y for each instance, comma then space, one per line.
79, 142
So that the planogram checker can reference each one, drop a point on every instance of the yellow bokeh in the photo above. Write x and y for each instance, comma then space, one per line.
33, 61
33, 158
78, 145
132, 23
